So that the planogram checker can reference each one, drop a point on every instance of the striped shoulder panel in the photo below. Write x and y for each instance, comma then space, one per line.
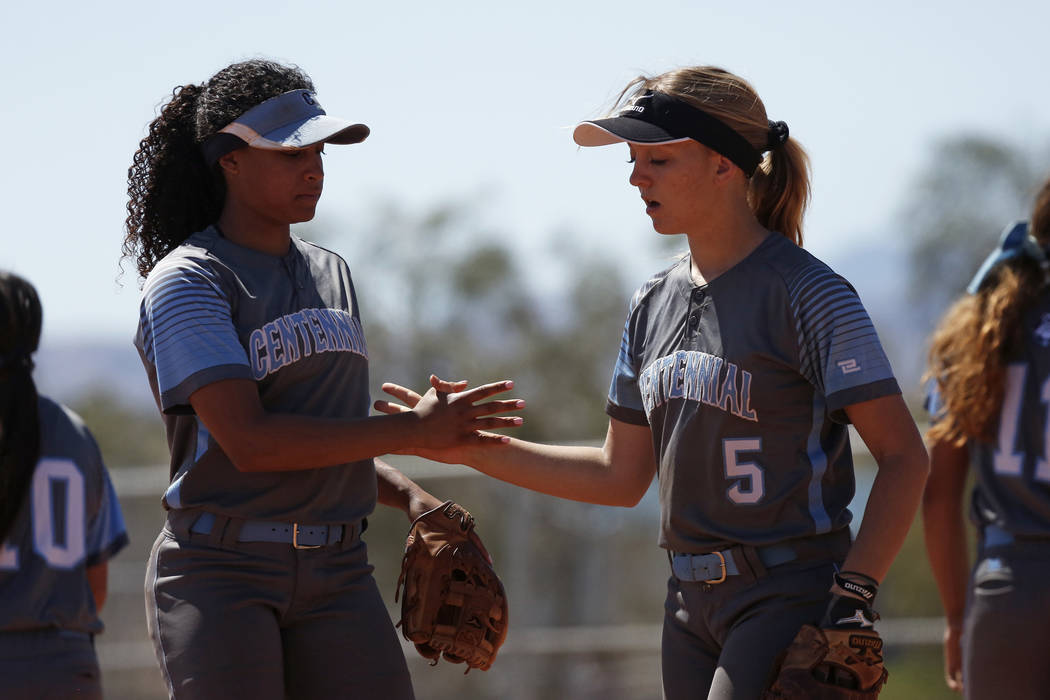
832, 327
186, 330
176, 291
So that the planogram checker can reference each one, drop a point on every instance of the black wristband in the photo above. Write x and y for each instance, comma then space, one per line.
863, 587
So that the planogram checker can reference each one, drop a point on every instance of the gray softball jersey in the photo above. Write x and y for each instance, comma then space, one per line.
1012, 490
744, 382
213, 310
71, 520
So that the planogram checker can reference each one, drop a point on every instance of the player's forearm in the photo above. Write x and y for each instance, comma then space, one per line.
945, 536
944, 527
578, 473
396, 490
286, 442
891, 508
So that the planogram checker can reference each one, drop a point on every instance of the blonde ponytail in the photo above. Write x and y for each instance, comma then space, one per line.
779, 190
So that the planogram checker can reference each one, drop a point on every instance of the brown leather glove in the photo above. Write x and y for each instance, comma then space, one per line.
840, 660
454, 603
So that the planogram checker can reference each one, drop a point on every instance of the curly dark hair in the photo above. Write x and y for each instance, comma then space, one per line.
20, 319
172, 191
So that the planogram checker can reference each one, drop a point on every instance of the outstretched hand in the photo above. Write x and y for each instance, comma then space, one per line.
451, 417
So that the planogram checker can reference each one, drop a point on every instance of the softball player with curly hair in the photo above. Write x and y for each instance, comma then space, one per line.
259, 584
60, 523
740, 369
989, 360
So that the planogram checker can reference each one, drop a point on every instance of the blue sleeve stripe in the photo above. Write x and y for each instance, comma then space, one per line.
819, 331
187, 326
807, 371
176, 283
816, 309
159, 303
179, 290
836, 328
623, 389
814, 294
865, 349
174, 304
176, 401
178, 371
805, 275
832, 325
170, 287
818, 462
811, 280
870, 351
863, 338
830, 310
624, 371
624, 356
209, 334
192, 319
147, 346
193, 357
819, 306
187, 277
184, 269
189, 321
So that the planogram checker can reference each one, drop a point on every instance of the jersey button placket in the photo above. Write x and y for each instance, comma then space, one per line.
696, 308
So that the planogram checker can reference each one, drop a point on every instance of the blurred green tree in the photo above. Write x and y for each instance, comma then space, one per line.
126, 436
971, 187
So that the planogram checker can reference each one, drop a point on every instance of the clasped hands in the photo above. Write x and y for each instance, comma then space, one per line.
450, 415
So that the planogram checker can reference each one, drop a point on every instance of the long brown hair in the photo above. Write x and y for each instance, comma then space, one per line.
779, 190
971, 345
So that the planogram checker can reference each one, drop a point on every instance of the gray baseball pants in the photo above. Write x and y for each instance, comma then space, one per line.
1006, 632
49, 664
267, 621
721, 640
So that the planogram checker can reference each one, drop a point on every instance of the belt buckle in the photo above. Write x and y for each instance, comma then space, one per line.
296, 545
722, 562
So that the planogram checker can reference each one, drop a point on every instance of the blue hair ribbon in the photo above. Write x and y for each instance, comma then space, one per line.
1013, 243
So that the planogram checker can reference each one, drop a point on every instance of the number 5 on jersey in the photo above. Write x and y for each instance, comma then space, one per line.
749, 487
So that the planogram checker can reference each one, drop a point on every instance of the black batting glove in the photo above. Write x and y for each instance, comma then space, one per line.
852, 595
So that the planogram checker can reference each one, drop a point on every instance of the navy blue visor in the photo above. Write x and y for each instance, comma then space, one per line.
1015, 242
654, 117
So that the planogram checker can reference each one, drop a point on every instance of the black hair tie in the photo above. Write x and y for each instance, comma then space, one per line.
778, 134
15, 358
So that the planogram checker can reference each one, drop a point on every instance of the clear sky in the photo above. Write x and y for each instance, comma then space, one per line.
474, 101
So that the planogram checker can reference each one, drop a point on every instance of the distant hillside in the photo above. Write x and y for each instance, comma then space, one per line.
66, 370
